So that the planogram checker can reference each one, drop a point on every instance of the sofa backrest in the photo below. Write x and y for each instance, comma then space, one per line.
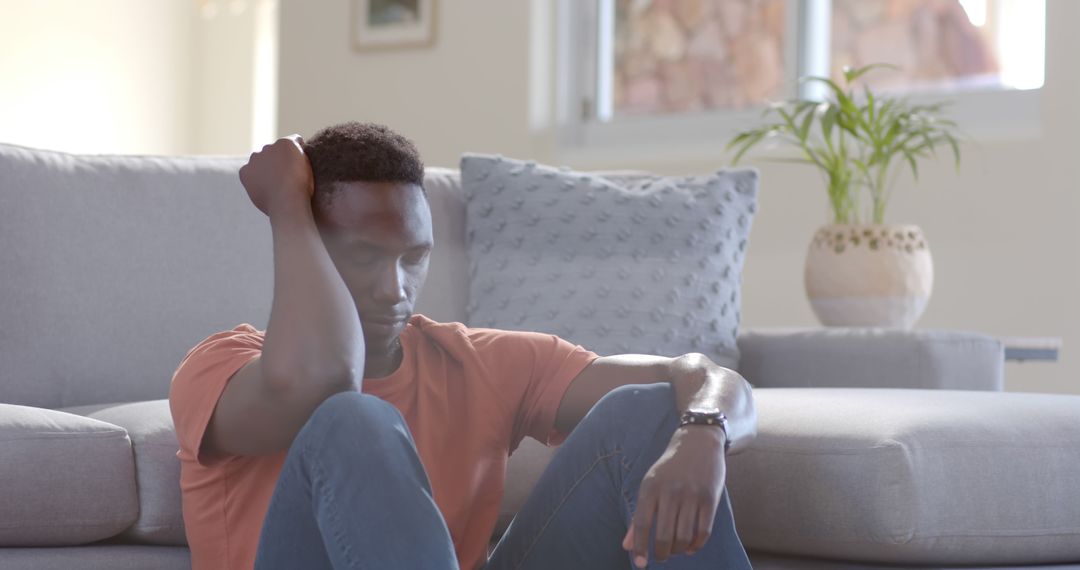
446, 293
112, 267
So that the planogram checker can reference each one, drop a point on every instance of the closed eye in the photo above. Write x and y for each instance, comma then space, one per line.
364, 257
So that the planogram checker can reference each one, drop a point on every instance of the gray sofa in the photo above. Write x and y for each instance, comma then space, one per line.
876, 449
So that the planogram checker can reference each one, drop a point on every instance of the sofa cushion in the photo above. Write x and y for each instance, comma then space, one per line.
64, 479
123, 244
523, 470
871, 358
650, 264
123, 263
912, 476
765, 561
157, 469
447, 290
97, 557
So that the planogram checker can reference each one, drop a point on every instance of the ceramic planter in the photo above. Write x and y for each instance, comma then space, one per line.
869, 275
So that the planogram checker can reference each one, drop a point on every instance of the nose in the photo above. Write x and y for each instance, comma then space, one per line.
390, 287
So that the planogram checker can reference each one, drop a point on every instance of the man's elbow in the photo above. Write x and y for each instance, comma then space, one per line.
328, 377
747, 416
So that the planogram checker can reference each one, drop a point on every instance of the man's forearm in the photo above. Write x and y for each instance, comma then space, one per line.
314, 333
701, 383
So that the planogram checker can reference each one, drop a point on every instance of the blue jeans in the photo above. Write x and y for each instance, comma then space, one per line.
576, 516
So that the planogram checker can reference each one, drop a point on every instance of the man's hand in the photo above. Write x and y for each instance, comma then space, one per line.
278, 175
679, 496
680, 493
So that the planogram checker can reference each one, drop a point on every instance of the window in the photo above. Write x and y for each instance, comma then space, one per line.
941, 45
690, 56
643, 69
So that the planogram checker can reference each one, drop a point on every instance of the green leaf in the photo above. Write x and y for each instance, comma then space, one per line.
863, 168
804, 128
837, 91
739, 138
747, 143
828, 121
784, 114
955, 149
911, 162
860, 139
869, 104
854, 74
890, 136
789, 160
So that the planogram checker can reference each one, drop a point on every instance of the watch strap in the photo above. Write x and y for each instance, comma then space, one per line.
717, 419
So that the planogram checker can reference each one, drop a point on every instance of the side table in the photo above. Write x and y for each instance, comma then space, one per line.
1025, 349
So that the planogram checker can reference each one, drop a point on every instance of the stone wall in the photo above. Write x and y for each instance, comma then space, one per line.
689, 55
932, 41
675, 56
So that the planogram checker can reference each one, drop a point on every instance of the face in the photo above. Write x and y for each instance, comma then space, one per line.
379, 236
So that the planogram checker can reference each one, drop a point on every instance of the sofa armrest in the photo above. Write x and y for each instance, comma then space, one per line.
871, 358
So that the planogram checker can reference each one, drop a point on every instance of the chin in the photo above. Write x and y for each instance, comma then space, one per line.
380, 337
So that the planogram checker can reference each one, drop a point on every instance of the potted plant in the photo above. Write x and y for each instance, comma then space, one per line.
861, 271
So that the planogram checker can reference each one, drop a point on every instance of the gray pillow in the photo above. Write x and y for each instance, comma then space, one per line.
628, 264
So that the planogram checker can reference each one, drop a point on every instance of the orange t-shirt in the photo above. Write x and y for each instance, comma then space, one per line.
469, 396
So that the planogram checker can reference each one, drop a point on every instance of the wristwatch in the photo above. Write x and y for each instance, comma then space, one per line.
707, 417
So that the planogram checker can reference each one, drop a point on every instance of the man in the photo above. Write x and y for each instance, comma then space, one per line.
354, 434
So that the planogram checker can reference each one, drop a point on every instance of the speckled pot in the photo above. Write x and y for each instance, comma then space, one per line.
869, 275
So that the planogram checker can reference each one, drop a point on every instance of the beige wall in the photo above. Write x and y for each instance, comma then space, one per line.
223, 82
1005, 232
133, 76
469, 93
235, 80
102, 76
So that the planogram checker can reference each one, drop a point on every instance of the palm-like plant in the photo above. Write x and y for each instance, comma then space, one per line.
858, 142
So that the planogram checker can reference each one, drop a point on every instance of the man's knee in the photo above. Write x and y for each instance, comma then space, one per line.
352, 415
639, 402
362, 435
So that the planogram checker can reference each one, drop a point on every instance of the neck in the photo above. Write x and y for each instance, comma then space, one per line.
380, 363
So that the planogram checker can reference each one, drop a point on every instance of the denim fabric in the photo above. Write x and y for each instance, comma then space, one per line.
576, 516
321, 516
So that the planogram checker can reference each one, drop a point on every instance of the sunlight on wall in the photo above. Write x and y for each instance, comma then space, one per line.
106, 76
264, 96
138, 77
976, 11
235, 76
1021, 41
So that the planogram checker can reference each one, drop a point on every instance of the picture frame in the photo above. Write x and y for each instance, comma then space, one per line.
392, 24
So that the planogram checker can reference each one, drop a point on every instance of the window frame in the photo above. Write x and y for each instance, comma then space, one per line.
984, 114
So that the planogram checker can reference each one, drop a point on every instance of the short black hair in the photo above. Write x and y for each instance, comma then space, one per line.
362, 152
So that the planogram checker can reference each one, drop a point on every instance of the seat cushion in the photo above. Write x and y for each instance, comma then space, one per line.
157, 470
97, 557
64, 479
912, 476
763, 561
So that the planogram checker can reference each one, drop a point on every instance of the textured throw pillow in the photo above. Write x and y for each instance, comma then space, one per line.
627, 264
